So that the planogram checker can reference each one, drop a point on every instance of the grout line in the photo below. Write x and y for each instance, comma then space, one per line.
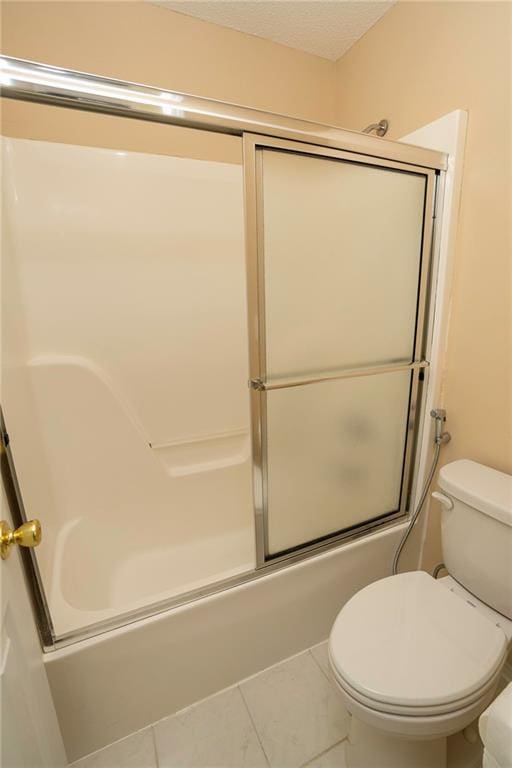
254, 726
322, 670
321, 754
155, 748
272, 666
305, 651
229, 687
110, 744
330, 679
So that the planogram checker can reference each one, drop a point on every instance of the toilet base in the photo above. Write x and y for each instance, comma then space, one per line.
367, 747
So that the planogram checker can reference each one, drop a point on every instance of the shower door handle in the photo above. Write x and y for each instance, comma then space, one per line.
265, 386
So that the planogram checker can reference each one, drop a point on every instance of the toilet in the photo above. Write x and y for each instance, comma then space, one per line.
418, 659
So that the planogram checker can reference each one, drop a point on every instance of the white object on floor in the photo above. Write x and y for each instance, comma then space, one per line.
496, 731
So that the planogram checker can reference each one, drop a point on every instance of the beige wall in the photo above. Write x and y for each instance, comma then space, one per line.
144, 43
419, 62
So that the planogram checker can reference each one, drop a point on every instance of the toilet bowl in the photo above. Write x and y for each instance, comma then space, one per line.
415, 660
418, 659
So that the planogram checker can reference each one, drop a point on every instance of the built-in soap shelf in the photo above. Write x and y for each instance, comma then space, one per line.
204, 453
180, 457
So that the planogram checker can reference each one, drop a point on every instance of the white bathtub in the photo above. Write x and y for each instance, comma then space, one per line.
82, 595
113, 684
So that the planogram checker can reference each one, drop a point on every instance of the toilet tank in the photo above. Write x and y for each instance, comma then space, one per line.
476, 532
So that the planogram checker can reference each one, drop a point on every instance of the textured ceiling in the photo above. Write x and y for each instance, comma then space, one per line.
325, 28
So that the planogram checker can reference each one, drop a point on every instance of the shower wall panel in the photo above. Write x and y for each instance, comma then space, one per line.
126, 371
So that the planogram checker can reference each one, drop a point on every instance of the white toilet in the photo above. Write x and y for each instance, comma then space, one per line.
419, 659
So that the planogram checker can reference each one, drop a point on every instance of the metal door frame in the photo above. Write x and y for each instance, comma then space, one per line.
253, 180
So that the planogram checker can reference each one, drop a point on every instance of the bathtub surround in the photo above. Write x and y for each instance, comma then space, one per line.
175, 422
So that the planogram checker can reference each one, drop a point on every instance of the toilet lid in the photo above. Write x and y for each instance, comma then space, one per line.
407, 640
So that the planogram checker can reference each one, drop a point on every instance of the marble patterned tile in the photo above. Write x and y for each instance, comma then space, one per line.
136, 751
215, 733
333, 758
321, 656
298, 714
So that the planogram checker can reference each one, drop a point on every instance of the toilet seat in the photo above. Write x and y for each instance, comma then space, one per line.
407, 646
413, 726
417, 711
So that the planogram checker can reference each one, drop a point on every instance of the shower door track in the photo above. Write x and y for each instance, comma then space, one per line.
44, 84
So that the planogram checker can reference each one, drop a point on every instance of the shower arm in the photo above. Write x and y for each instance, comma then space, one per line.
380, 128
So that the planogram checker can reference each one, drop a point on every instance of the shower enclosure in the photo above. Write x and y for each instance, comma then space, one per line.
199, 391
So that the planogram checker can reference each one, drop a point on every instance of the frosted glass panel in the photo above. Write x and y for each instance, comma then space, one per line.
342, 246
335, 454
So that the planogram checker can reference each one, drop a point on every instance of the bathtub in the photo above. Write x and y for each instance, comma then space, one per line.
110, 685
131, 581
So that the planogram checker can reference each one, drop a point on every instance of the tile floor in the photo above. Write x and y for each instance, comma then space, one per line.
288, 716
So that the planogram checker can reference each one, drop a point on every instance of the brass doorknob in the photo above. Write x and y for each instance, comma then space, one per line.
27, 535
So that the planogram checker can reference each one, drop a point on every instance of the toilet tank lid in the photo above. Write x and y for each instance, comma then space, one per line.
481, 487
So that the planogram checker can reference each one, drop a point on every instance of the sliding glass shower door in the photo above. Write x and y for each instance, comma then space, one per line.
341, 248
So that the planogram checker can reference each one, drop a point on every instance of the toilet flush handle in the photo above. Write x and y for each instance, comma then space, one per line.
445, 501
